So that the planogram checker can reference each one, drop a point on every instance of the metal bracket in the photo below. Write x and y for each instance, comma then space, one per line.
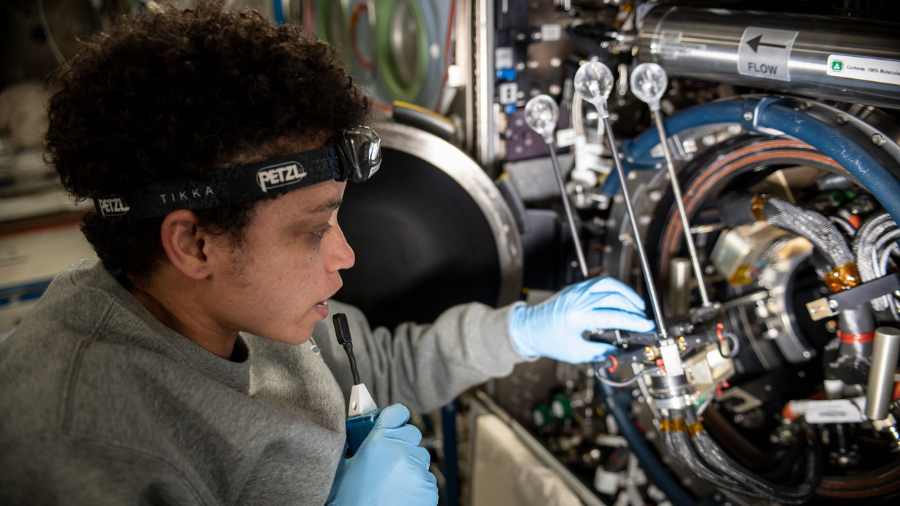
854, 297
750, 110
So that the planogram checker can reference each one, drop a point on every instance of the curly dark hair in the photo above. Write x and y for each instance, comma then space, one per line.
176, 93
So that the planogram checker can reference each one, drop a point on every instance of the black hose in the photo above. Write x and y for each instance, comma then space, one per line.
710, 451
647, 457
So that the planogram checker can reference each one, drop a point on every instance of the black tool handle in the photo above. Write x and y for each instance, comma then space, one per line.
342, 332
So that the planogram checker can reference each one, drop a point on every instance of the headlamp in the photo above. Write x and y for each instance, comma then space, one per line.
353, 154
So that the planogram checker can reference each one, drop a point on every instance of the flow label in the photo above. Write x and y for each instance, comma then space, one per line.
671, 45
765, 52
864, 69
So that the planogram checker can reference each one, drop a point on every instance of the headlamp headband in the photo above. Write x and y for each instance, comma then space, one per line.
353, 154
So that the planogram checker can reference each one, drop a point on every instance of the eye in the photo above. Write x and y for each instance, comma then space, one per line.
321, 233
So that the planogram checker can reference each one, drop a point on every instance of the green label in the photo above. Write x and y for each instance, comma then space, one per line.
837, 65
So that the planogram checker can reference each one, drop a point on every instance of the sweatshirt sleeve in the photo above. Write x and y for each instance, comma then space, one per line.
50, 468
422, 366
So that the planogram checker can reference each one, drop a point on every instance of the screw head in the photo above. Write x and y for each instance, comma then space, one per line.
748, 116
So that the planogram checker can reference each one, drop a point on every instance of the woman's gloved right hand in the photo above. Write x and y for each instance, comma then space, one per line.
388, 469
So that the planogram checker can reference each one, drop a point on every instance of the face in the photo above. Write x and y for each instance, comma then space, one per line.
279, 279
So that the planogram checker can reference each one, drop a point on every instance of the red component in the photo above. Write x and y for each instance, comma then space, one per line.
661, 365
615, 364
719, 327
868, 337
725, 384
896, 391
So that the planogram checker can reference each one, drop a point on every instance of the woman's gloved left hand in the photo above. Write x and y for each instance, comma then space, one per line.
554, 327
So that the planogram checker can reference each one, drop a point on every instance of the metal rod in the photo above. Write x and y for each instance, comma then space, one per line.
679, 201
645, 264
881, 375
679, 286
582, 263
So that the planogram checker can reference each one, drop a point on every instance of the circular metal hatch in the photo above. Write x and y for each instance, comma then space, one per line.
430, 230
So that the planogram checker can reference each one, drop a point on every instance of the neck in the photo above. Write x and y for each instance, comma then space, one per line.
181, 310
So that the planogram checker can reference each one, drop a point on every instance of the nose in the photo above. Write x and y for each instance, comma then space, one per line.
342, 256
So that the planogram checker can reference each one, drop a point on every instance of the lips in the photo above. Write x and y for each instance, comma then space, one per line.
322, 309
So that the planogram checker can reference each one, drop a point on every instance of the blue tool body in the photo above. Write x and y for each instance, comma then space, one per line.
358, 428
362, 411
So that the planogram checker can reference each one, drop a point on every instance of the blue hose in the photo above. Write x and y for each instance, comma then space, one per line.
648, 459
278, 12
877, 179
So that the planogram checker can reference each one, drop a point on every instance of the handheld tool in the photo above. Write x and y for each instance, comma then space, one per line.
362, 411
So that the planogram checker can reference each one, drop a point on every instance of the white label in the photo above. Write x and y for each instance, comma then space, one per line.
508, 93
503, 58
565, 137
839, 411
672, 46
764, 52
864, 69
671, 360
551, 32
605, 481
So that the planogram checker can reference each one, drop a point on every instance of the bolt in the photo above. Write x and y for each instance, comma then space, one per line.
767, 388
656, 195
536, 36
555, 62
708, 140
520, 36
645, 220
802, 374
833, 304
878, 140
632, 176
748, 116
806, 354
841, 119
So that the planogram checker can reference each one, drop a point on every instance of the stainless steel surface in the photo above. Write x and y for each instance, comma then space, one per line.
679, 286
485, 128
465, 60
645, 264
881, 375
582, 263
679, 202
470, 176
705, 43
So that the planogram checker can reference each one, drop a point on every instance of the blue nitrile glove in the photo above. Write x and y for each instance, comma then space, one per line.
388, 469
554, 327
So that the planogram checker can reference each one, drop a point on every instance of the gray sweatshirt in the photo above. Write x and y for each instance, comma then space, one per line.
100, 403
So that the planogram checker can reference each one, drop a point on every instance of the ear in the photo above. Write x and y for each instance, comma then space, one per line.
186, 244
